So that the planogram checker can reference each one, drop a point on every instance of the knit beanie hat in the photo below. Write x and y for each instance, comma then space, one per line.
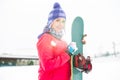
55, 13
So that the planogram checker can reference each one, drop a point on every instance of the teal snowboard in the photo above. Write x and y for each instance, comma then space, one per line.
77, 35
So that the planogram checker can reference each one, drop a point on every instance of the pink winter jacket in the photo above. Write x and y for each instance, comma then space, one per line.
54, 60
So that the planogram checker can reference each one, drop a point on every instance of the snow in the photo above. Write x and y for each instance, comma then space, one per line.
104, 68
19, 73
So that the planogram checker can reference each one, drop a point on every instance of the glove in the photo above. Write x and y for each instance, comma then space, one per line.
72, 48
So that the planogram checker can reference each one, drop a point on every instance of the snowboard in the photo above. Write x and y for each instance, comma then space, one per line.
77, 31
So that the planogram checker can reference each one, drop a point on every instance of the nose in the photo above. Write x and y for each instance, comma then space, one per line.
61, 24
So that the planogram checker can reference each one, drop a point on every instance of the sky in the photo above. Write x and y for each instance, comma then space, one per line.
21, 21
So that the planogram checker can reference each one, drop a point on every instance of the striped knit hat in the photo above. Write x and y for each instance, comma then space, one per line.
55, 13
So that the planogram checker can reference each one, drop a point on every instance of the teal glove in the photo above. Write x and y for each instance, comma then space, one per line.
72, 48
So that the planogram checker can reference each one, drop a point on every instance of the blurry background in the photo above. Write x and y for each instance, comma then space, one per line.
21, 21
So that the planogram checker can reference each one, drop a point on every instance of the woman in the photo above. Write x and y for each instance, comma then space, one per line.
52, 50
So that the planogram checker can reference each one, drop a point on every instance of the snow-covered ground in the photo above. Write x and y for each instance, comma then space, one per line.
19, 73
105, 68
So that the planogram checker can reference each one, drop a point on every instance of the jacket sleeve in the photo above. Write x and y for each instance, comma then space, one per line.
47, 59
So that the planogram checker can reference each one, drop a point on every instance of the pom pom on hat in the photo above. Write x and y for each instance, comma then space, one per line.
56, 5
55, 13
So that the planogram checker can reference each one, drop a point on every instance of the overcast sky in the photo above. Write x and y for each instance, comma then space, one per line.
21, 21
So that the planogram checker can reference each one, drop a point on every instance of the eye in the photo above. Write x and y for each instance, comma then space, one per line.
63, 21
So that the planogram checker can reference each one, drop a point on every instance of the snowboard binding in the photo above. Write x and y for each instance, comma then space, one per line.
82, 64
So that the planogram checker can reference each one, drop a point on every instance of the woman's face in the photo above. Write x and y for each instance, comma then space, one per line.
58, 24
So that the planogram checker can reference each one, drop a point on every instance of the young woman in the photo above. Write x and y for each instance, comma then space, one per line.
52, 50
